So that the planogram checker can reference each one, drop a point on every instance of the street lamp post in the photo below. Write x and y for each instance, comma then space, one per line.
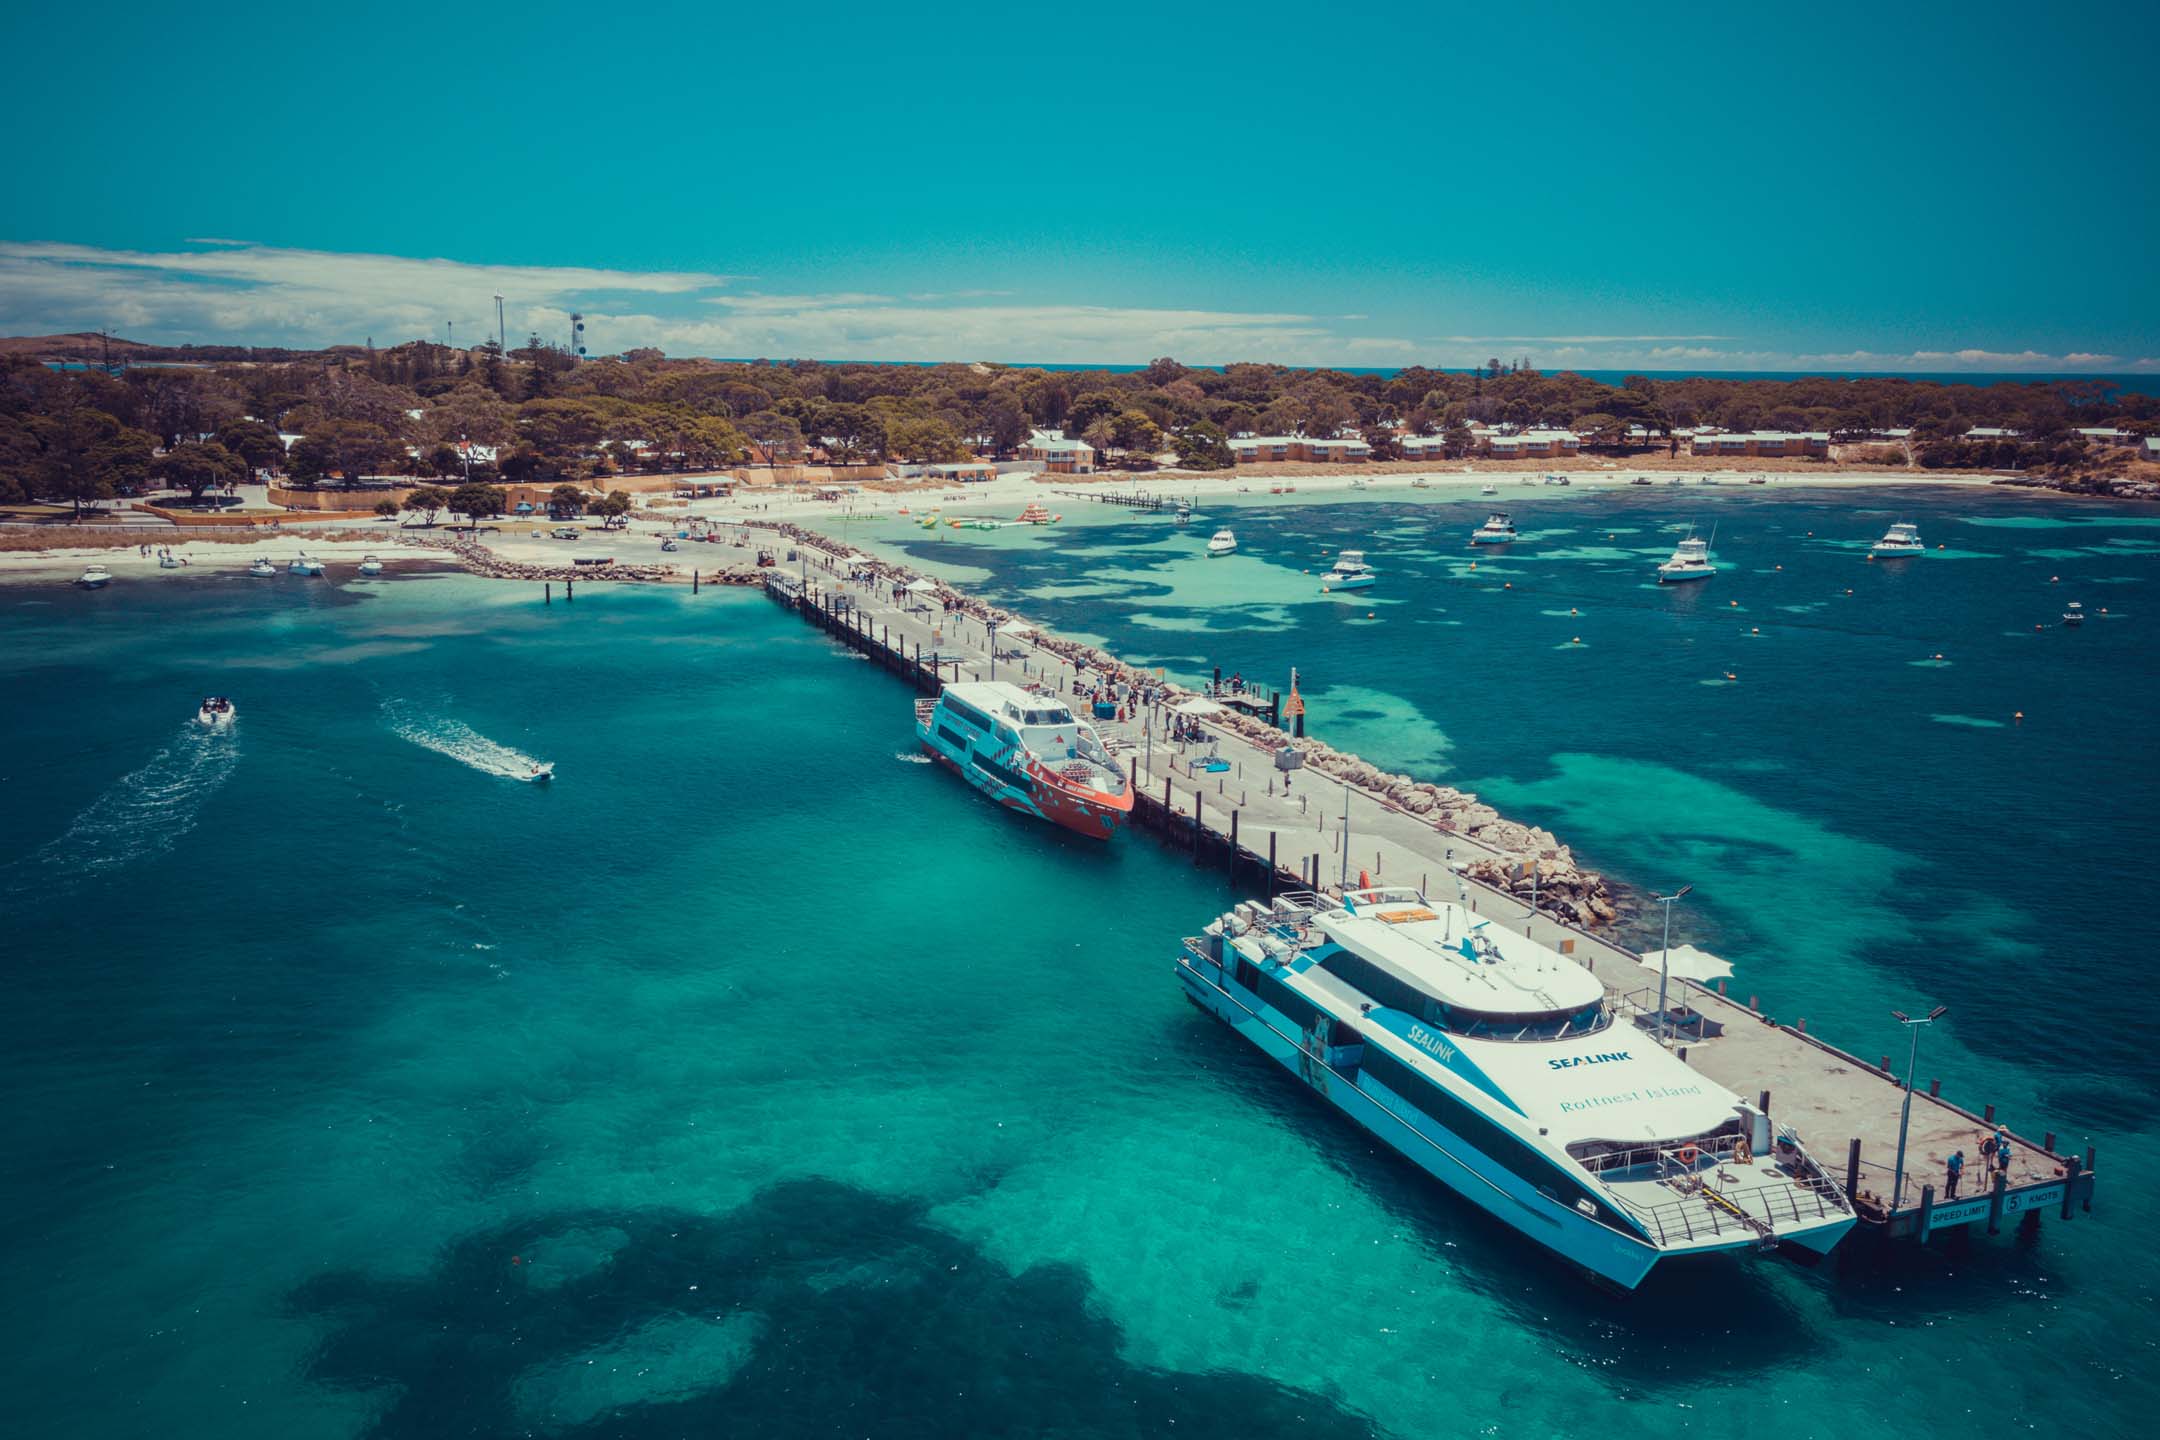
1912, 1066
1665, 958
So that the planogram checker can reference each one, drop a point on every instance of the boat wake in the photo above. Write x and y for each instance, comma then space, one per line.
912, 757
145, 813
463, 744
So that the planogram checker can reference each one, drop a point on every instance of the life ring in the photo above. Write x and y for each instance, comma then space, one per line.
1689, 1155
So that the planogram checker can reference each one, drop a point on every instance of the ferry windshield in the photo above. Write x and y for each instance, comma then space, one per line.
1389, 990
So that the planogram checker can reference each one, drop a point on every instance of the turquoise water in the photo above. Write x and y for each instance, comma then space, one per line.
755, 1078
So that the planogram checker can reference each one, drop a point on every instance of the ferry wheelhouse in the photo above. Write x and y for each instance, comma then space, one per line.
1901, 541
1690, 561
1502, 1069
1498, 529
1028, 752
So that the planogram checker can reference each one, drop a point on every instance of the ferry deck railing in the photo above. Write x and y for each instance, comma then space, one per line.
1708, 1210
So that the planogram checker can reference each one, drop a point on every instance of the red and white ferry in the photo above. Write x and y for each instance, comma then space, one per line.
1028, 752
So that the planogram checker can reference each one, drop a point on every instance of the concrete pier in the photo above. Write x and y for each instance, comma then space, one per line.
1317, 832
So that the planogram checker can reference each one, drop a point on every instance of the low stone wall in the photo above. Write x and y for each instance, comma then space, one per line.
352, 500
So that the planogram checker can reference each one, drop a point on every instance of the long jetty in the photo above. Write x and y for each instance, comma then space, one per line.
1225, 804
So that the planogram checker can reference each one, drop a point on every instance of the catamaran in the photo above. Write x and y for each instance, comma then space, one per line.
1502, 1069
1223, 542
1498, 529
1899, 542
1690, 561
1350, 573
1027, 752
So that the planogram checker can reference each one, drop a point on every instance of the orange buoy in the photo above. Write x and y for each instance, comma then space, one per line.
2019, 716
1507, 585
1780, 567
1755, 630
2053, 579
1734, 603
1576, 641
1573, 611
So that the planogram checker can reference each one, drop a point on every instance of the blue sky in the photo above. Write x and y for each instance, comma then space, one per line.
1924, 187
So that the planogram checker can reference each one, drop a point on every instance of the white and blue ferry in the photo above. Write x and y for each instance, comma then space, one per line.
1502, 1069
1028, 752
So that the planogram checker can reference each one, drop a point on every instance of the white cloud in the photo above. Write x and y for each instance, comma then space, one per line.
235, 291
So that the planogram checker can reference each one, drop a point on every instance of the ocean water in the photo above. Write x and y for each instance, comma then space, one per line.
753, 1079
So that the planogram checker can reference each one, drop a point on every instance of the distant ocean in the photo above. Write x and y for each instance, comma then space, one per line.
2133, 384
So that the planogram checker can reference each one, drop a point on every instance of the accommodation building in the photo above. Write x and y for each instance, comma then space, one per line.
1763, 443
1059, 453
1256, 449
1530, 444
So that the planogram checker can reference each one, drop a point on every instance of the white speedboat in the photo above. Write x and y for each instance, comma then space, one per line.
262, 568
1488, 490
304, 565
1222, 543
1421, 483
1901, 541
2073, 613
1350, 573
166, 560
94, 577
1503, 1070
1183, 514
1690, 561
369, 565
217, 712
542, 773
1498, 529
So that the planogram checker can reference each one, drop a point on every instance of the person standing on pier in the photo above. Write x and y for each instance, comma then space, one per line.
1954, 1168
2002, 1151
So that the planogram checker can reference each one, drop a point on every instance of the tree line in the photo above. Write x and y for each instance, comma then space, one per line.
535, 415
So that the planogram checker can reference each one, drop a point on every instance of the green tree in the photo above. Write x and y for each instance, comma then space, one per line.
1203, 446
427, 502
387, 509
924, 442
196, 467
477, 502
86, 455
254, 442
350, 449
616, 507
566, 501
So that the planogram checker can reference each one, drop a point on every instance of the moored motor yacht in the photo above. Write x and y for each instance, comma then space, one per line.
2073, 613
304, 565
94, 577
369, 565
1690, 561
1498, 529
1350, 573
262, 567
1028, 752
1901, 541
1503, 1070
1222, 542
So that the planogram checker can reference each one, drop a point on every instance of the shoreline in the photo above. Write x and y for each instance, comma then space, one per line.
522, 550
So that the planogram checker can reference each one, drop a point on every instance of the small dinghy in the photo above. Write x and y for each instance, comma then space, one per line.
369, 565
